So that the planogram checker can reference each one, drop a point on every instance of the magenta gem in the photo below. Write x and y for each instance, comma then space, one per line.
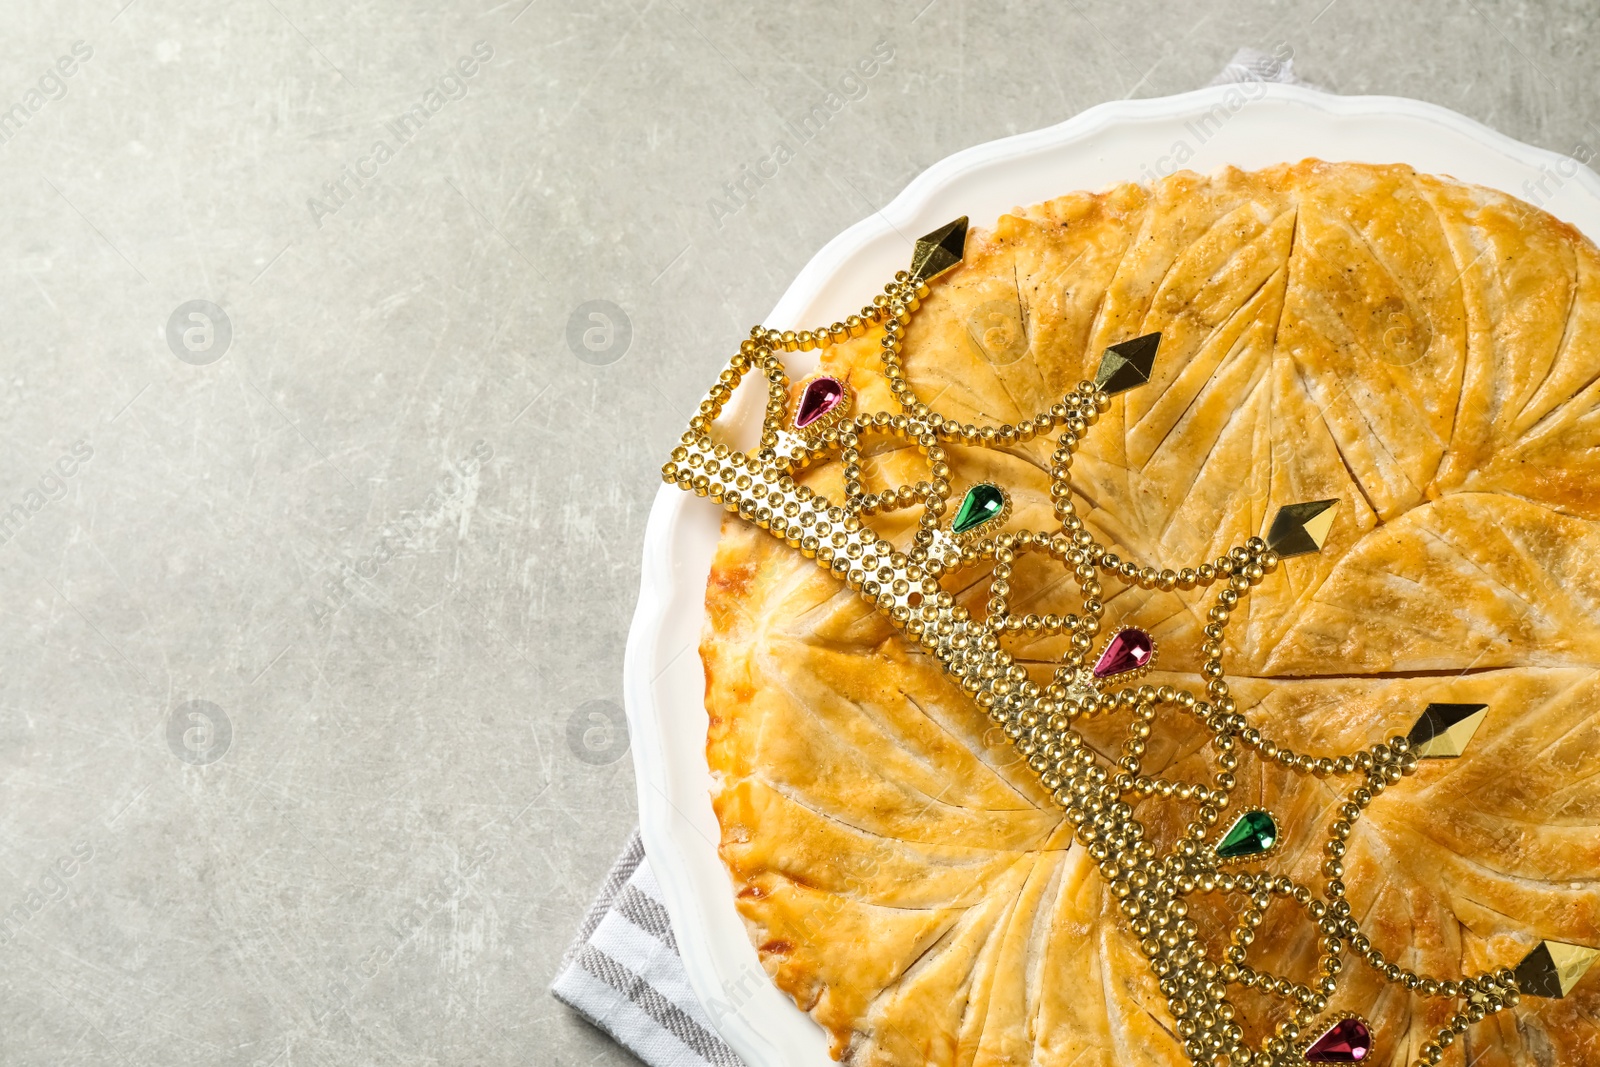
1346, 1041
822, 395
1128, 651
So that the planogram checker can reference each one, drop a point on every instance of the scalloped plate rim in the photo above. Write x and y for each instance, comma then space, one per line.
676, 822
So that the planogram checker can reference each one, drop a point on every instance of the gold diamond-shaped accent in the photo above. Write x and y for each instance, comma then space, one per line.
1127, 363
940, 250
1445, 730
1553, 968
1299, 529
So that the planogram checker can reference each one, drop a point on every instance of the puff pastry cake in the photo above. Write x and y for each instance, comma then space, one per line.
1427, 352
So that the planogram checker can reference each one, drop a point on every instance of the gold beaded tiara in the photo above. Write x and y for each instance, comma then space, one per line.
1098, 796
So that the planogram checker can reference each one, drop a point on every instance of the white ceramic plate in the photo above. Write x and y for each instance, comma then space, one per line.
1248, 126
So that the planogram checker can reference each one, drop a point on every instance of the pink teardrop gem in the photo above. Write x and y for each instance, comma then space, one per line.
1128, 651
822, 395
1346, 1041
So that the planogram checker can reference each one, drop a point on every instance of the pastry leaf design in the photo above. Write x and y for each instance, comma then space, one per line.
1425, 351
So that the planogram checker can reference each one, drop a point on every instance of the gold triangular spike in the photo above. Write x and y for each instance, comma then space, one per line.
1299, 529
1445, 730
940, 250
1553, 968
1127, 363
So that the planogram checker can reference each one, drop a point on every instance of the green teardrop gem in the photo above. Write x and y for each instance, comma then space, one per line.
1251, 834
982, 503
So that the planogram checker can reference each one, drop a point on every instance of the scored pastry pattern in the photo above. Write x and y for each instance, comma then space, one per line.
1098, 796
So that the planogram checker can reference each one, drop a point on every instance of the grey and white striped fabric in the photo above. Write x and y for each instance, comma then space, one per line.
1254, 65
623, 974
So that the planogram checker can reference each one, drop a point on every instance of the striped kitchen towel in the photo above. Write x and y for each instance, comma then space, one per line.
1254, 65
623, 974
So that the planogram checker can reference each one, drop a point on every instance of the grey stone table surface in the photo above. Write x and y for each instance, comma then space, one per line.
322, 485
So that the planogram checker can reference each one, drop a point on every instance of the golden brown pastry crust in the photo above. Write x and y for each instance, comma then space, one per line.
1427, 351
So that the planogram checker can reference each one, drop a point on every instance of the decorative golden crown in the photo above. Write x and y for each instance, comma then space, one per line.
1095, 793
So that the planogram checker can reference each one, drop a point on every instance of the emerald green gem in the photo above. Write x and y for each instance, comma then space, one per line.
1252, 833
982, 503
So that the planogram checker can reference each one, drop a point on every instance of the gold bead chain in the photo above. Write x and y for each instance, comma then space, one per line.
1095, 792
